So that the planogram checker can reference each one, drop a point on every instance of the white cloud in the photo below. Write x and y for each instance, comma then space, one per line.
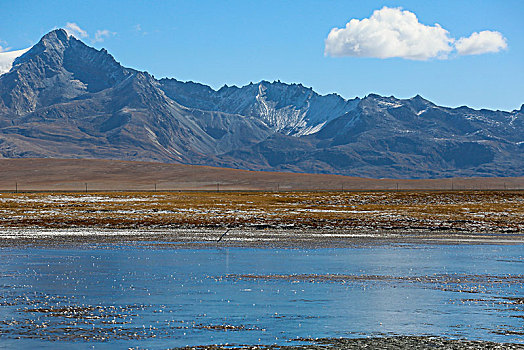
7, 59
393, 32
100, 35
389, 32
74, 29
478, 43
3, 46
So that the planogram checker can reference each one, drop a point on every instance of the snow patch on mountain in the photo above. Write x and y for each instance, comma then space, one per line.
296, 110
7, 59
388, 104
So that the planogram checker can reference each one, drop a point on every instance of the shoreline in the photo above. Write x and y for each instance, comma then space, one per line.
245, 237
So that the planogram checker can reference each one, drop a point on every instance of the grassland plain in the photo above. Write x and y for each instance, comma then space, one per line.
274, 217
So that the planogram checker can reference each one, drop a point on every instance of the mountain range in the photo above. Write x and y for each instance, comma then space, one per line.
64, 99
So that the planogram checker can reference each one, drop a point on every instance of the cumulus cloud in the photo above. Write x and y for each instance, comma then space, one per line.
482, 42
74, 29
100, 35
389, 32
393, 32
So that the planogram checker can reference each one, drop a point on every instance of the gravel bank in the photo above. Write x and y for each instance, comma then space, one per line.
386, 343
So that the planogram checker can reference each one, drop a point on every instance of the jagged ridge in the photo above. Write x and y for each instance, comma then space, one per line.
63, 98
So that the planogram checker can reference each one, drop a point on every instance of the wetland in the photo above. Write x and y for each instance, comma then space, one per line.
295, 270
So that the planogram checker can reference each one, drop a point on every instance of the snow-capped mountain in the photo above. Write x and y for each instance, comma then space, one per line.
64, 99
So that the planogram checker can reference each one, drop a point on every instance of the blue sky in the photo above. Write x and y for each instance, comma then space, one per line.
237, 42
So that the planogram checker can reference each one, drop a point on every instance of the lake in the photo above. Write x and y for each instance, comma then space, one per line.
157, 297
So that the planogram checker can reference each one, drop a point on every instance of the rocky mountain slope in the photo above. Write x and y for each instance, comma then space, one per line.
288, 109
63, 99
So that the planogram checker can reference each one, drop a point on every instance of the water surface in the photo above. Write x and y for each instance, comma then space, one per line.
132, 295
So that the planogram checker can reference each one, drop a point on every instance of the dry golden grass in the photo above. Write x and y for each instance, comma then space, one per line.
468, 211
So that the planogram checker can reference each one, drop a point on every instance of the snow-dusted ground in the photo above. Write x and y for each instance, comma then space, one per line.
240, 237
324, 213
77, 198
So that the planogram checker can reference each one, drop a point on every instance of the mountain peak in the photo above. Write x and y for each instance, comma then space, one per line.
52, 45
57, 69
420, 99
56, 35
56, 40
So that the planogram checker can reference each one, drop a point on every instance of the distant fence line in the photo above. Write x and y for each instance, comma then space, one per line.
87, 187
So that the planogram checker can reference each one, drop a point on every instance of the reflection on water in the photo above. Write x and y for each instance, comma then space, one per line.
159, 298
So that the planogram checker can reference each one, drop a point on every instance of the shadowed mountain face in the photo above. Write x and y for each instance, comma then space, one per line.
64, 99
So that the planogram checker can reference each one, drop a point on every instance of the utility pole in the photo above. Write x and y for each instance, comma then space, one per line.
86, 186
16, 187
155, 186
